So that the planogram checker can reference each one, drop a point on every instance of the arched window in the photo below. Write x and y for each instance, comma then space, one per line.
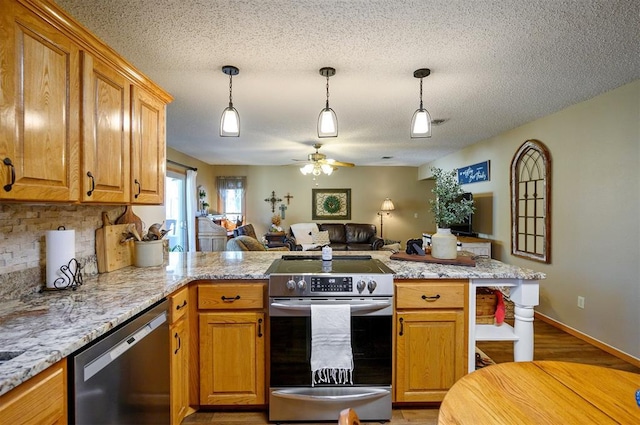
531, 202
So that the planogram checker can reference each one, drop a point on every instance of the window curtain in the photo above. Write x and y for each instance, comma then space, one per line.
224, 184
192, 200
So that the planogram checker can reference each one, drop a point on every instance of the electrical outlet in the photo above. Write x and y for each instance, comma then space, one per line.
580, 302
415, 215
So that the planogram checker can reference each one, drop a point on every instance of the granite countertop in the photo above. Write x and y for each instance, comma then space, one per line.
51, 325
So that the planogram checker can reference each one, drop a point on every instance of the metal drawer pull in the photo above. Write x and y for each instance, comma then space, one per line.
177, 337
401, 326
184, 304
93, 183
7, 162
259, 328
431, 298
229, 299
137, 183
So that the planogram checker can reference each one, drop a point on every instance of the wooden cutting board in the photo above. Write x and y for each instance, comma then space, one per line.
460, 261
111, 254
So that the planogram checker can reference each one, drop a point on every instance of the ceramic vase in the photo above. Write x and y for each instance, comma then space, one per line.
444, 245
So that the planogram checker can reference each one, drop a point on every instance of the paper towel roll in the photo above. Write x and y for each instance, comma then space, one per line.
61, 248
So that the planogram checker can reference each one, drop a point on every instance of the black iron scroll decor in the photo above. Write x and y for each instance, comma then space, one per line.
71, 276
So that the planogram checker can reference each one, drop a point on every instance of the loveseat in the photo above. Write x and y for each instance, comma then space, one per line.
339, 236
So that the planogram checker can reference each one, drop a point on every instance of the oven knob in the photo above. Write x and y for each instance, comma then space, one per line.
360, 286
372, 286
302, 284
291, 284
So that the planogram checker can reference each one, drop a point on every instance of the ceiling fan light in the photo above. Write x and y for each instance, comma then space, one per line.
327, 169
327, 123
306, 169
230, 122
421, 124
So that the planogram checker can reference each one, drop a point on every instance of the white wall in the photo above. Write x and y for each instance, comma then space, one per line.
595, 209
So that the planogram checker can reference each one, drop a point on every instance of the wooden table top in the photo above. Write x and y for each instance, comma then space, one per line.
543, 392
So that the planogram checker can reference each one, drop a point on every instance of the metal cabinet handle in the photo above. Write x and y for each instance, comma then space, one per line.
184, 304
8, 163
229, 299
259, 328
401, 326
93, 183
431, 298
137, 183
176, 336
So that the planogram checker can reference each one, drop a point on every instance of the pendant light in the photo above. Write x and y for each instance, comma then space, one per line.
421, 122
230, 121
327, 121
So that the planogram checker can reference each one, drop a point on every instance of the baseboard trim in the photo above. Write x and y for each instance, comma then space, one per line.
586, 338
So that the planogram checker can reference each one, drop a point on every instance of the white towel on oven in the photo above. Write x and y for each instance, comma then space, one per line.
331, 355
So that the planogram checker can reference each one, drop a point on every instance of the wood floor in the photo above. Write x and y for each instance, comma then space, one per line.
550, 344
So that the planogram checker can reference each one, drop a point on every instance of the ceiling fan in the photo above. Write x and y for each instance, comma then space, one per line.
318, 163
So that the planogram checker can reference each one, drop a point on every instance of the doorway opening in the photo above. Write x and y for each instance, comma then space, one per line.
176, 211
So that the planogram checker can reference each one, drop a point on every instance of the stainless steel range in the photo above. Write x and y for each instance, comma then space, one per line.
300, 284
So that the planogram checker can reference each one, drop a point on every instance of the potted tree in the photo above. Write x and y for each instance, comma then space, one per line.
448, 208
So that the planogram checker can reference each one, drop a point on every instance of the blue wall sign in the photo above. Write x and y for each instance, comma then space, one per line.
474, 173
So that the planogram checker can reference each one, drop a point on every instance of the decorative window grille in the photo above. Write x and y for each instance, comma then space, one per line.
531, 202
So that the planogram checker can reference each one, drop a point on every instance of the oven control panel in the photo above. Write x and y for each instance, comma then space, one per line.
331, 284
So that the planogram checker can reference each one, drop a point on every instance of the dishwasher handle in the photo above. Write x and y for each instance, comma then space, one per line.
123, 346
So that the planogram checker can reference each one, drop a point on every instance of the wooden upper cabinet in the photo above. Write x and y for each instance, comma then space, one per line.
148, 151
39, 109
106, 145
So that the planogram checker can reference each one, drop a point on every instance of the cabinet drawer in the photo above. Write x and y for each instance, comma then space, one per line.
231, 296
178, 303
432, 294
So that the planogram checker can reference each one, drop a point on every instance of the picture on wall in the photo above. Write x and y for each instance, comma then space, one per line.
331, 204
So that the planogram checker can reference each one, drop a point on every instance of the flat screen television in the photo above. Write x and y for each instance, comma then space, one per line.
465, 228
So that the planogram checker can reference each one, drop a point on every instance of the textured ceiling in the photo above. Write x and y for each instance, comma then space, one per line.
495, 65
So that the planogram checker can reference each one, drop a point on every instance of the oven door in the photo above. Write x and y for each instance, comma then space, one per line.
292, 396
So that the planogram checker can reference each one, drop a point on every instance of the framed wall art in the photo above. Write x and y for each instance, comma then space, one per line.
331, 204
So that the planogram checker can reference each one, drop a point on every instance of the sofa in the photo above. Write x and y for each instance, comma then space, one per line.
245, 239
339, 236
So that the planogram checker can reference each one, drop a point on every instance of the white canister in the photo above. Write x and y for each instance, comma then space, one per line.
327, 253
148, 253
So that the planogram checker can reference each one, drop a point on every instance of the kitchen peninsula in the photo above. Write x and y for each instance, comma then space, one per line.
47, 327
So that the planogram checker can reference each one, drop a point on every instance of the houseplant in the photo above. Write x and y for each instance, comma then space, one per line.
448, 208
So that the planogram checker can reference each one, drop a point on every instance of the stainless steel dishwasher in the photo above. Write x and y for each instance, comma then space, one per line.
124, 377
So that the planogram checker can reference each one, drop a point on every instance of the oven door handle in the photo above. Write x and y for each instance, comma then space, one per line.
354, 307
369, 394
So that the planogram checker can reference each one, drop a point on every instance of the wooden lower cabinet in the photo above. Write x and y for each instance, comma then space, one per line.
232, 342
431, 353
232, 358
40, 400
179, 366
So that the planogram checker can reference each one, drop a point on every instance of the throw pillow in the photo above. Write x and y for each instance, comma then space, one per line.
302, 232
320, 237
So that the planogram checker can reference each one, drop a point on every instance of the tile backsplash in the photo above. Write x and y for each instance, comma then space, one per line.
22, 241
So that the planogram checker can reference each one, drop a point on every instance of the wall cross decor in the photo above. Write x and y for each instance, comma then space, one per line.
282, 209
273, 201
289, 197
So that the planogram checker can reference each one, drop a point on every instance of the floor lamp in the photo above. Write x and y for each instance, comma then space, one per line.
387, 206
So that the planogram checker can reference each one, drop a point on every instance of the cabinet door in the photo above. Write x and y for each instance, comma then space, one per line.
106, 145
232, 358
39, 109
179, 370
430, 353
148, 152
40, 400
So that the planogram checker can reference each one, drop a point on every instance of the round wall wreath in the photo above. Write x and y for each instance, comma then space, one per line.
331, 204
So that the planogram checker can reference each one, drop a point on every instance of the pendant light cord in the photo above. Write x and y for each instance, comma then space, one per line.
231, 87
327, 91
421, 94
